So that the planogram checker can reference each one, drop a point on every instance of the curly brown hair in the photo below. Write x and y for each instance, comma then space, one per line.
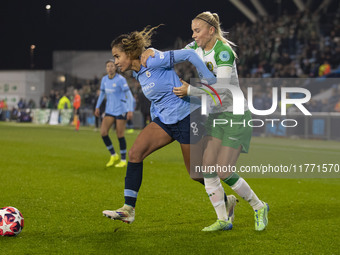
135, 43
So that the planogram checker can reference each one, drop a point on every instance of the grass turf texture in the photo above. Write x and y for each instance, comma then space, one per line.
57, 178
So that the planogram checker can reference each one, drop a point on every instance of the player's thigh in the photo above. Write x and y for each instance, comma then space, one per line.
150, 139
196, 153
106, 125
191, 160
227, 157
192, 156
211, 150
120, 127
186, 156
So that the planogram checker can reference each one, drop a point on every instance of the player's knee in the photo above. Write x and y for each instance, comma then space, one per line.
103, 133
135, 155
120, 134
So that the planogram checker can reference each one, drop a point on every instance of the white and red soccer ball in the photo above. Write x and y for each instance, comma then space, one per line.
11, 221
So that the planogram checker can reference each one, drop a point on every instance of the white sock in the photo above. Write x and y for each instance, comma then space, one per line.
216, 194
242, 188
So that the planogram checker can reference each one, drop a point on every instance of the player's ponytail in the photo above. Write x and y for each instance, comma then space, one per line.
135, 43
216, 17
213, 20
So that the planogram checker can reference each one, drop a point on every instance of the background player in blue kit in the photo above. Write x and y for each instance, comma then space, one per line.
171, 114
119, 107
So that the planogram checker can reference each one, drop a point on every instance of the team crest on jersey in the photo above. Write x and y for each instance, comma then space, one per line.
224, 56
114, 85
210, 66
148, 74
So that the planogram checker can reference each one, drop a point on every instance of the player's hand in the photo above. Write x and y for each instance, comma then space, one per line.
181, 91
129, 116
145, 55
97, 112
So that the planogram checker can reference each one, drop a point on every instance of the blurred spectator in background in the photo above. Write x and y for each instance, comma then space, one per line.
14, 114
22, 104
337, 106
31, 104
43, 102
325, 68
52, 102
57, 98
3, 105
64, 102
76, 106
3, 108
96, 80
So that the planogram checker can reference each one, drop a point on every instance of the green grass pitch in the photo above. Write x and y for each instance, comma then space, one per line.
57, 178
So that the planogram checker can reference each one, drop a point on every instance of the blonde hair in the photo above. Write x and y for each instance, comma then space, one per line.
213, 20
135, 43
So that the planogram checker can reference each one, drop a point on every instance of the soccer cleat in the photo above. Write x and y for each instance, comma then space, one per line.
230, 206
261, 217
112, 160
130, 131
125, 214
121, 164
219, 225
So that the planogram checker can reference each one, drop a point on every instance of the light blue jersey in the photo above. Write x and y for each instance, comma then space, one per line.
159, 78
119, 99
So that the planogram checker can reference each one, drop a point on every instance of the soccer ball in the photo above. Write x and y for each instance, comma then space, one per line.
11, 221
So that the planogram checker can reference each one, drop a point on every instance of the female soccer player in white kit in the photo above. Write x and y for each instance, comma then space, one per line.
225, 142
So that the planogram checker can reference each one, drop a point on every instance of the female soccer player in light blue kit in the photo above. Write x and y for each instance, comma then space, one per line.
119, 107
171, 114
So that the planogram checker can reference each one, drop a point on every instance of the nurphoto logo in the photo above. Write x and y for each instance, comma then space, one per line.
225, 91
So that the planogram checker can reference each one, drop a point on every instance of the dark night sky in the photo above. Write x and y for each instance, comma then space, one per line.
93, 24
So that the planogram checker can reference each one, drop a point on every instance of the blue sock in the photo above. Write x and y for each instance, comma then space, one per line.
122, 145
108, 144
133, 181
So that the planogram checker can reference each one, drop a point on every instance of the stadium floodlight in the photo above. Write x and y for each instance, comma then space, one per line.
61, 78
244, 9
299, 4
259, 7
48, 7
32, 48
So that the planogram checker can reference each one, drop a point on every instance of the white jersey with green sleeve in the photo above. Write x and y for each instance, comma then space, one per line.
220, 57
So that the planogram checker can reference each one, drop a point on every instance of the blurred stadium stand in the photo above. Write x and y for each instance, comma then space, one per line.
304, 44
